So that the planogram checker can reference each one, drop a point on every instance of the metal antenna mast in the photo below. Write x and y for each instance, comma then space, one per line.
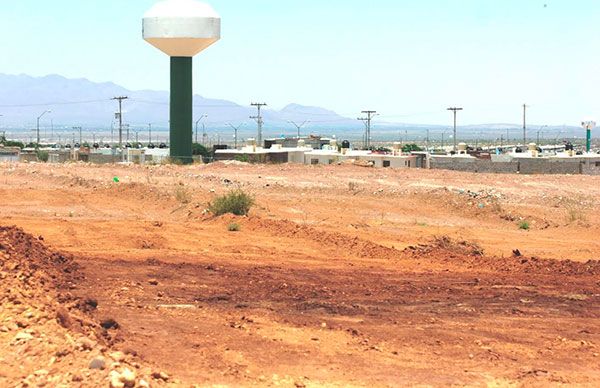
259, 121
455, 110
367, 120
120, 99
299, 126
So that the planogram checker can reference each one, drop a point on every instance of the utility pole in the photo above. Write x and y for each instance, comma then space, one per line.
299, 126
367, 121
120, 99
149, 133
259, 121
525, 106
235, 136
455, 110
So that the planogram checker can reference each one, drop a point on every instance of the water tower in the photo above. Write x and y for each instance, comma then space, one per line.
588, 125
181, 29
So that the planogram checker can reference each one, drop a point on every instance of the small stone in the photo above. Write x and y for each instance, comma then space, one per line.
115, 382
23, 337
143, 384
128, 378
85, 344
98, 363
118, 356
64, 318
160, 376
4, 329
153, 282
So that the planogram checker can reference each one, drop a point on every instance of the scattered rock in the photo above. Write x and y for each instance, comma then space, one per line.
85, 344
160, 376
91, 303
63, 318
153, 282
23, 337
109, 323
118, 356
143, 384
128, 378
98, 363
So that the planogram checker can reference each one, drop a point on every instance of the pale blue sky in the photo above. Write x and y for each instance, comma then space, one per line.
407, 59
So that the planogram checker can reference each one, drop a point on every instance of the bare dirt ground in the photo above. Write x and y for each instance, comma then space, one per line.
341, 276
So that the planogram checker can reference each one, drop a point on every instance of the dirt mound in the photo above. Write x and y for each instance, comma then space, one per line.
352, 245
447, 245
45, 337
471, 255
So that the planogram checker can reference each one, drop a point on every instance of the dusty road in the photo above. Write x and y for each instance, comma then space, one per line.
341, 275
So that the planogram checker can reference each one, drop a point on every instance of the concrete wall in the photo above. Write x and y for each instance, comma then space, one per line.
270, 157
572, 166
104, 159
473, 165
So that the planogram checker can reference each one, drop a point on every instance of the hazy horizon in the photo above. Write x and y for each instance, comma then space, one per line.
407, 60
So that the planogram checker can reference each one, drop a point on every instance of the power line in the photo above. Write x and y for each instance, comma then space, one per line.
259, 120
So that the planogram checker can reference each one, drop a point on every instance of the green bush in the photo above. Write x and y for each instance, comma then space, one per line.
524, 225
8, 143
43, 156
242, 158
233, 227
236, 202
200, 150
406, 148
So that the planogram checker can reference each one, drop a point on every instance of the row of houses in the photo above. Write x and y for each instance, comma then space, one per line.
327, 154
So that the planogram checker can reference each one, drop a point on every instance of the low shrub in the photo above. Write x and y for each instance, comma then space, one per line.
183, 195
233, 227
524, 225
236, 202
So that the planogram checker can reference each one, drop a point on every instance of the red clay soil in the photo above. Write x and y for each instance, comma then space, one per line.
325, 284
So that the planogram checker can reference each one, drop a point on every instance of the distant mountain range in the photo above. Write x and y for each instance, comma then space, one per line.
80, 102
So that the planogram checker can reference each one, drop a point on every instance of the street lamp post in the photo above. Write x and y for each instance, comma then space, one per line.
38, 125
235, 136
197, 121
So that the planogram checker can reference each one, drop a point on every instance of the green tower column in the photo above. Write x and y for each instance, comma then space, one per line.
181, 109
588, 144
